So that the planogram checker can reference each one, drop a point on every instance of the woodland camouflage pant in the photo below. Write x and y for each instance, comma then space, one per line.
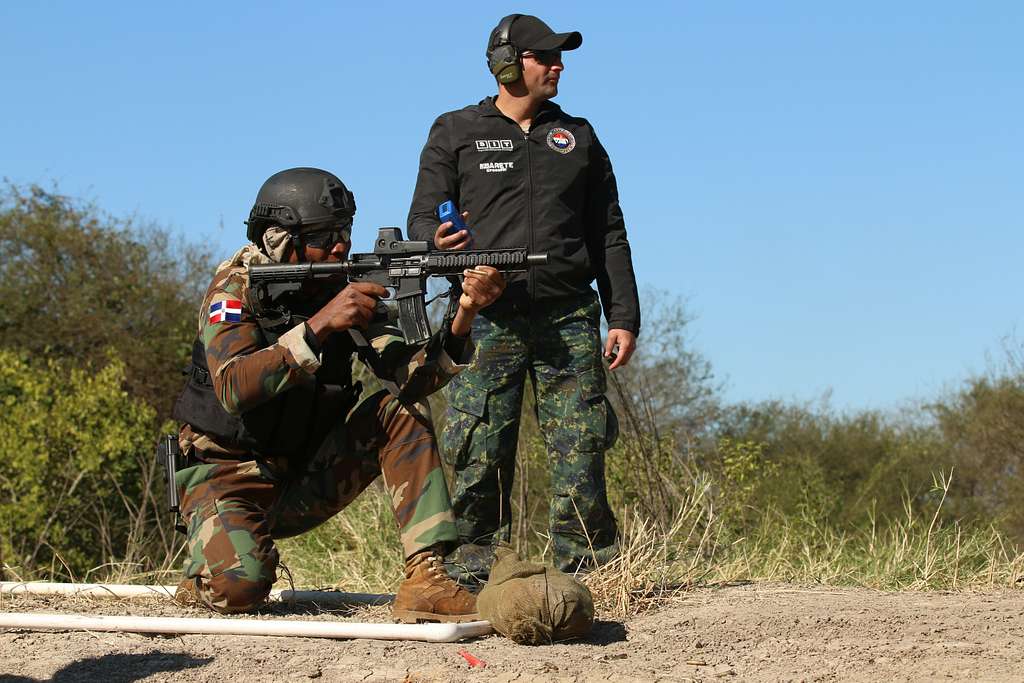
234, 510
556, 344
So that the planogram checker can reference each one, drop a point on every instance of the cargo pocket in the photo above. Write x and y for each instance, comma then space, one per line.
598, 424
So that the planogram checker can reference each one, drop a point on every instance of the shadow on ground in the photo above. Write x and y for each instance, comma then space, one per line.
118, 668
606, 633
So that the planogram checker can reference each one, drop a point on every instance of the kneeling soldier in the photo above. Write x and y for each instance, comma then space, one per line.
275, 438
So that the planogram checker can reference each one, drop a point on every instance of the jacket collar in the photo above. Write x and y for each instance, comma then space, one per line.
547, 109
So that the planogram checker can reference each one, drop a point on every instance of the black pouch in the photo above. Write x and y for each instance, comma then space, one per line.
197, 405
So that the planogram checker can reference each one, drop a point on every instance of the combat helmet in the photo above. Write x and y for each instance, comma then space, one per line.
300, 200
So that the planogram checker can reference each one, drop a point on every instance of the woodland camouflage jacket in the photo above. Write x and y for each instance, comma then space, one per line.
287, 391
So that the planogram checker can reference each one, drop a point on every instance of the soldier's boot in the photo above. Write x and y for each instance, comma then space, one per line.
428, 594
187, 594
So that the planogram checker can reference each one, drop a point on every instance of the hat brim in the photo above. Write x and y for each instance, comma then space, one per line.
557, 41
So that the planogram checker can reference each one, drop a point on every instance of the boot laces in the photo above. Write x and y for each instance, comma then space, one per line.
435, 567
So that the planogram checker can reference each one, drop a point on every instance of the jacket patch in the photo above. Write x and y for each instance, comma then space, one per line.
229, 310
496, 166
561, 140
493, 145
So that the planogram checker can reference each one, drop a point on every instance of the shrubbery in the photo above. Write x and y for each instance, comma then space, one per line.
76, 282
72, 441
97, 319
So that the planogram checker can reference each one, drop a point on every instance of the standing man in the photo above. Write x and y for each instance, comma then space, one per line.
525, 172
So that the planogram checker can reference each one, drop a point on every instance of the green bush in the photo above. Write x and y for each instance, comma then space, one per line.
72, 441
982, 426
75, 282
837, 467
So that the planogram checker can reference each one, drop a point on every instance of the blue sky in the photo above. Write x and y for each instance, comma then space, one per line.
835, 190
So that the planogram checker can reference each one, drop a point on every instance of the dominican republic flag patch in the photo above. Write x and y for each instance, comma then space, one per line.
227, 311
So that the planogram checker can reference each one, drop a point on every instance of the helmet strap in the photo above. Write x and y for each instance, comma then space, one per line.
296, 242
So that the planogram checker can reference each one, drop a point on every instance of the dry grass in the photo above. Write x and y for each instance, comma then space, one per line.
655, 561
356, 551
909, 553
359, 550
658, 561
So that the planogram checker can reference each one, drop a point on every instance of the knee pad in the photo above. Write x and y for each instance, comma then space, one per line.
232, 591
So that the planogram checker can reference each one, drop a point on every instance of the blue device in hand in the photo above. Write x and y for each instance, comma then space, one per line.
447, 211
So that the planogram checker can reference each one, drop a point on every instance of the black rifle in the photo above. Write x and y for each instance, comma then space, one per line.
401, 266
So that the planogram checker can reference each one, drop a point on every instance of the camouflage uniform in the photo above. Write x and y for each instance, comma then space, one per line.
557, 345
235, 501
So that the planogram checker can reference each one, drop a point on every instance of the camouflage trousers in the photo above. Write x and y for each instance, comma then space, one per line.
234, 510
557, 345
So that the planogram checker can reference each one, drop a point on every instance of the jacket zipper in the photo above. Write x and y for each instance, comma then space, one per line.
531, 279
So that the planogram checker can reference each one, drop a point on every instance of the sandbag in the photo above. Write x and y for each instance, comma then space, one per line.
533, 604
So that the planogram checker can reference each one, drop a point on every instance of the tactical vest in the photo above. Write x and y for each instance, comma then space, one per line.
292, 424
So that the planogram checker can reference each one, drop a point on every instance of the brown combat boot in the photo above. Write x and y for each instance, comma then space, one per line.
428, 594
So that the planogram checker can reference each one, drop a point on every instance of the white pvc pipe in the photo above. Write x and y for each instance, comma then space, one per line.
115, 590
433, 633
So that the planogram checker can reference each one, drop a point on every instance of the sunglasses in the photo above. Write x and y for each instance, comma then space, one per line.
545, 57
325, 239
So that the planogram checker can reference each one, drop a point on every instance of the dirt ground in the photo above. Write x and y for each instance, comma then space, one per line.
755, 632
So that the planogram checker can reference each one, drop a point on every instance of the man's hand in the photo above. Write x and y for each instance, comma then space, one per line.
626, 341
481, 286
456, 240
351, 307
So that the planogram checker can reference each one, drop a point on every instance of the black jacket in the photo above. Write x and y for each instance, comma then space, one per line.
552, 190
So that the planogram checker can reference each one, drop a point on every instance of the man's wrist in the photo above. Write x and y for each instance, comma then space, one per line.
625, 326
462, 323
312, 340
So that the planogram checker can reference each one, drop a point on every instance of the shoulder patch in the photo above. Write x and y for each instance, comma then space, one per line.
226, 311
561, 140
